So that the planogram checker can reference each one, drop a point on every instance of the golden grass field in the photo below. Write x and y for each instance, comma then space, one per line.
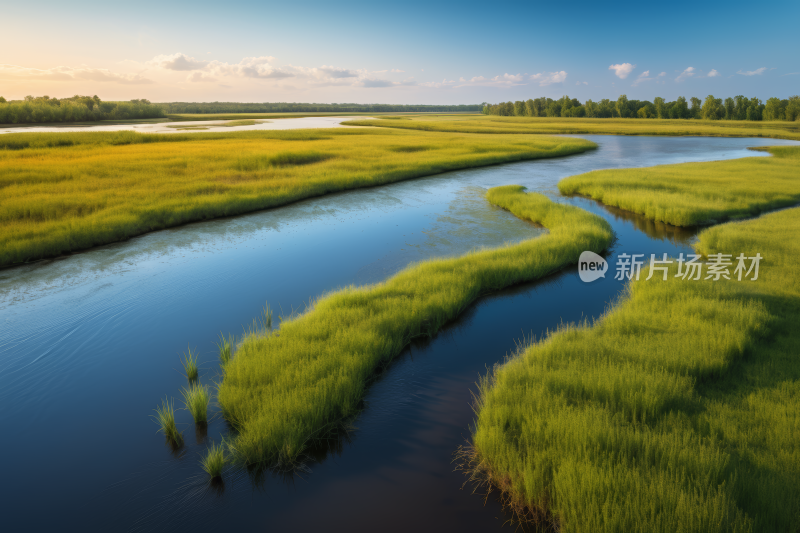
65, 192
597, 126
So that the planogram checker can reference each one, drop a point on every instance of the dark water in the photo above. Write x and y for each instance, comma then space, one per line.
90, 343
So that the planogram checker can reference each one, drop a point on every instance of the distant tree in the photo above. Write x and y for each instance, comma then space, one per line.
740, 107
622, 106
553, 109
793, 108
530, 108
697, 108
730, 109
2, 100
591, 109
712, 108
519, 108
661, 107
775, 109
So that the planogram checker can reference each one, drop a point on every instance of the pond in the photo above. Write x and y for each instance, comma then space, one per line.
90, 344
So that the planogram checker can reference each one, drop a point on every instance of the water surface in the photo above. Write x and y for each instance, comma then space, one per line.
90, 343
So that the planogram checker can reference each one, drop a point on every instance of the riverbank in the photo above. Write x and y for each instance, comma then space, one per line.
594, 126
677, 410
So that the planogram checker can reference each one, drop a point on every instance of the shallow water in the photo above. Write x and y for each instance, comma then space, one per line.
189, 126
90, 343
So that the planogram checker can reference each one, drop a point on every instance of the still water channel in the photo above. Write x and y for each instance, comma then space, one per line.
90, 343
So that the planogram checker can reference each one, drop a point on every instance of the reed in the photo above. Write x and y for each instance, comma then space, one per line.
189, 363
196, 398
214, 461
165, 418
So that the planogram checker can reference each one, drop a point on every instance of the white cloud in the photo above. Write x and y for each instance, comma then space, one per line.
687, 73
713, 73
549, 78
756, 72
581, 83
195, 77
644, 76
622, 70
63, 73
177, 61
397, 70
791, 74
662, 74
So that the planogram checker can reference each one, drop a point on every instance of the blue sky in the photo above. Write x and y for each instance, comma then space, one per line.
409, 52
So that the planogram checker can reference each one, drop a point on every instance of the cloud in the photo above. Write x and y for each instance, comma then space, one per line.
334, 72
644, 76
373, 83
581, 83
686, 74
791, 74
62, 73
397, 70
549, 78
177, 61
713, 73
622, 70
756, 72
662, 74
195, 77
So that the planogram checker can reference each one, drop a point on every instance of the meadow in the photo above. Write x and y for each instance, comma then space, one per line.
675, 411
284, 391
697, 193
596, 126
65, 192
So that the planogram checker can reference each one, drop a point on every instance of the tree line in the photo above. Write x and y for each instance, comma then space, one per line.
78, 108
736, 108
286, 107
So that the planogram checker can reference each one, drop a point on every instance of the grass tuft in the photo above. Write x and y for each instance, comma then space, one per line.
214, 461
196, 398
225, 346
165, 418
189, 363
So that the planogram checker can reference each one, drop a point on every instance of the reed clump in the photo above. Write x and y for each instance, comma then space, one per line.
283, 391
165, 418
225, 345
189, 363
214, 461
196, 398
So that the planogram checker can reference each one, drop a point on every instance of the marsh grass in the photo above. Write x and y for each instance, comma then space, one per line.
675, 411
690, 194
64, 192
165, 418
594, 126
189, 363
214, 461
225, 347
283, 393
196, 399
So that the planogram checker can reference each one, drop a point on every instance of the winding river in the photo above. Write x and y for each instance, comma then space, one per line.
90, 343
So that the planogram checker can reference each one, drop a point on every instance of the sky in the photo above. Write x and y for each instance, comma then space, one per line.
408, 52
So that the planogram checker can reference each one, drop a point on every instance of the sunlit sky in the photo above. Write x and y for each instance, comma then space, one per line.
401, 52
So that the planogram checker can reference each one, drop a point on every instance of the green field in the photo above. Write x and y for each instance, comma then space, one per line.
597, 126
676, 411
697, 193
65, 192
283, 391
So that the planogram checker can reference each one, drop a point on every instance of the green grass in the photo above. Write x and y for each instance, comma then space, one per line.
196, 399
677, 411
225, 347
214, 461
65, 192
697, 193
286, 389
165, 418
189, 363
597, 126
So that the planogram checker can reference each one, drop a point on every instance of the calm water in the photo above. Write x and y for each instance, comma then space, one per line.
90, 343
